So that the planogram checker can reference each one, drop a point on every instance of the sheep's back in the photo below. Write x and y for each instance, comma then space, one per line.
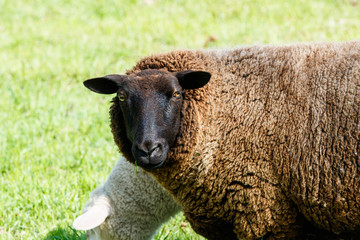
297, 107
289, 117
320, 157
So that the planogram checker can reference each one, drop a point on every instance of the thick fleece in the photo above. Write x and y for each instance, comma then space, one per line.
131, 205
270, 146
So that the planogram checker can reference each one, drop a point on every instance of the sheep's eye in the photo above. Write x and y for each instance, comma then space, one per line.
121, 97
176, 94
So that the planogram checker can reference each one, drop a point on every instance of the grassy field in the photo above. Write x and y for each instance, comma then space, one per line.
55, 142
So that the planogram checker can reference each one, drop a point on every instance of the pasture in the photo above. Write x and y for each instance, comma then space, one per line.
55, 141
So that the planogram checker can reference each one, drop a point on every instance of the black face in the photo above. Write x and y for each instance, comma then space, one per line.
150, 102
151, 112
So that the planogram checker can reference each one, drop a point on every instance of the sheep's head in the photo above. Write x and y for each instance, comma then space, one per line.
150, 102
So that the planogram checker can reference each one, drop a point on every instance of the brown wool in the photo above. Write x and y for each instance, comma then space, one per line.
270, 146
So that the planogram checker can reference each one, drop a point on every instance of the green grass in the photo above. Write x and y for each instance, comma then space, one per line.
55, 142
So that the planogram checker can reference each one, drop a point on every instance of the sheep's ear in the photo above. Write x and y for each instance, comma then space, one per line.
106, 85
193, 79
93, 217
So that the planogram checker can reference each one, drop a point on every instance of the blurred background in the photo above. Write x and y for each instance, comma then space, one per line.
55, 140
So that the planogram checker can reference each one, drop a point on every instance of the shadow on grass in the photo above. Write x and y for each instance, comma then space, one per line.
67, 233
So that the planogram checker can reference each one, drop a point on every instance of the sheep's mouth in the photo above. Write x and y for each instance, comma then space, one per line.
150, 159
153, 166
148, 164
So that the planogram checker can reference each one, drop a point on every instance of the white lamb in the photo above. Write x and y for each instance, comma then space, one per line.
130, 205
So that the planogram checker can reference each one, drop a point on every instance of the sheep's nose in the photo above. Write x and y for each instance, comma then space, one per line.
149, 148
150, 154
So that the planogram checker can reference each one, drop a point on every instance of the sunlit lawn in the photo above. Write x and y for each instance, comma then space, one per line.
55, 142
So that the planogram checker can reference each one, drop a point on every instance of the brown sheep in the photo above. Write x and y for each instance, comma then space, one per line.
267, 148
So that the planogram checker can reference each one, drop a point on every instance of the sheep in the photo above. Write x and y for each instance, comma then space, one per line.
256, 142
130, 205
